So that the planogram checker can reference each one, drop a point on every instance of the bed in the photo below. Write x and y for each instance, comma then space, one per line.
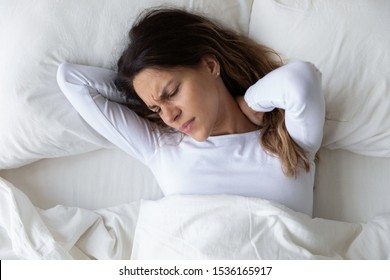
66, 193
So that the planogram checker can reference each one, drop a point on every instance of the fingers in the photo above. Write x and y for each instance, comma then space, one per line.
253, 116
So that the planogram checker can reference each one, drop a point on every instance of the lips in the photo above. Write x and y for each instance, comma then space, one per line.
187, 126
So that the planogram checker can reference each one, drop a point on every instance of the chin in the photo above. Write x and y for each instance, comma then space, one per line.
199, 137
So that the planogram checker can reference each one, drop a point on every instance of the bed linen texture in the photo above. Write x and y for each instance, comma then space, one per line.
55, 165
61, 232
182, 227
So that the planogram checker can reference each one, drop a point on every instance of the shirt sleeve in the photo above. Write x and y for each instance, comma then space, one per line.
91, 91
296, 88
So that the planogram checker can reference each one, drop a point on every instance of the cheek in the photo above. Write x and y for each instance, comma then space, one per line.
190, 99
203, 96
198, 97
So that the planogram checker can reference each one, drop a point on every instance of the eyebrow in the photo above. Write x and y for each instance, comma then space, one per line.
163, 94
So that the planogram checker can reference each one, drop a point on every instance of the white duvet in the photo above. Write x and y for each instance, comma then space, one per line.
36, 122
182, 227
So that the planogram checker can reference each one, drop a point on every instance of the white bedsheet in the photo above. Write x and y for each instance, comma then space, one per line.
27, 232
36, 124
182, 227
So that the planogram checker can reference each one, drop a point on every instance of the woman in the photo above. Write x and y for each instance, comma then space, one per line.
208, 110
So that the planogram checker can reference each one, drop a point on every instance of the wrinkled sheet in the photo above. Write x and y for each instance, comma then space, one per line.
231, 227
182, 227
27, 232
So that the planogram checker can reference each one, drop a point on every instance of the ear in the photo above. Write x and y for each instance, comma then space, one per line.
212, 64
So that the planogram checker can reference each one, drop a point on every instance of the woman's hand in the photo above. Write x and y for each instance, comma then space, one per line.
253, 116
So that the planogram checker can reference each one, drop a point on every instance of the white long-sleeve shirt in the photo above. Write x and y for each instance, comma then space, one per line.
229, 164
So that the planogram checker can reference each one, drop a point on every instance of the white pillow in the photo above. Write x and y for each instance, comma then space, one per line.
349, 42
36, 121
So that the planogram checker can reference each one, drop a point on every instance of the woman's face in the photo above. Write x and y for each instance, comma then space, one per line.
187, 99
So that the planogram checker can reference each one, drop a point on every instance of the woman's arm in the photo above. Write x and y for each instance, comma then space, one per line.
90, 90
296, 88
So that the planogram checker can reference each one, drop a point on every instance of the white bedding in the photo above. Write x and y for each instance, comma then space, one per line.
183, 227
231, 227
348, 187
61, 232
77, 177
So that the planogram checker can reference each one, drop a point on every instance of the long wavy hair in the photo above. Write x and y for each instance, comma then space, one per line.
167, 38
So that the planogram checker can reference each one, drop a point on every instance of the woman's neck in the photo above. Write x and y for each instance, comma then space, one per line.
231, 119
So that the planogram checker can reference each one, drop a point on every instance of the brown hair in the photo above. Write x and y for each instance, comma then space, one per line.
167, 38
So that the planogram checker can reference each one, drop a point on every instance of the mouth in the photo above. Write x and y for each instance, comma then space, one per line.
187, 126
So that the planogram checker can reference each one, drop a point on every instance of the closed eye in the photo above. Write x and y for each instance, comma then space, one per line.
155, 109
164, 96
174, 92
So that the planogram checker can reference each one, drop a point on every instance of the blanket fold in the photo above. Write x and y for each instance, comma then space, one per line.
182, 227
232, 227
27, 232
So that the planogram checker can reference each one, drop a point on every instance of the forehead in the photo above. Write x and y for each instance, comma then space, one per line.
151, 81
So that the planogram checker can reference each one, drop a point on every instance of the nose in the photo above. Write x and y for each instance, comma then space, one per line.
170, 114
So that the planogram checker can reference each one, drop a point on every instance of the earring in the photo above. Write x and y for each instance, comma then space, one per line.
217, 73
